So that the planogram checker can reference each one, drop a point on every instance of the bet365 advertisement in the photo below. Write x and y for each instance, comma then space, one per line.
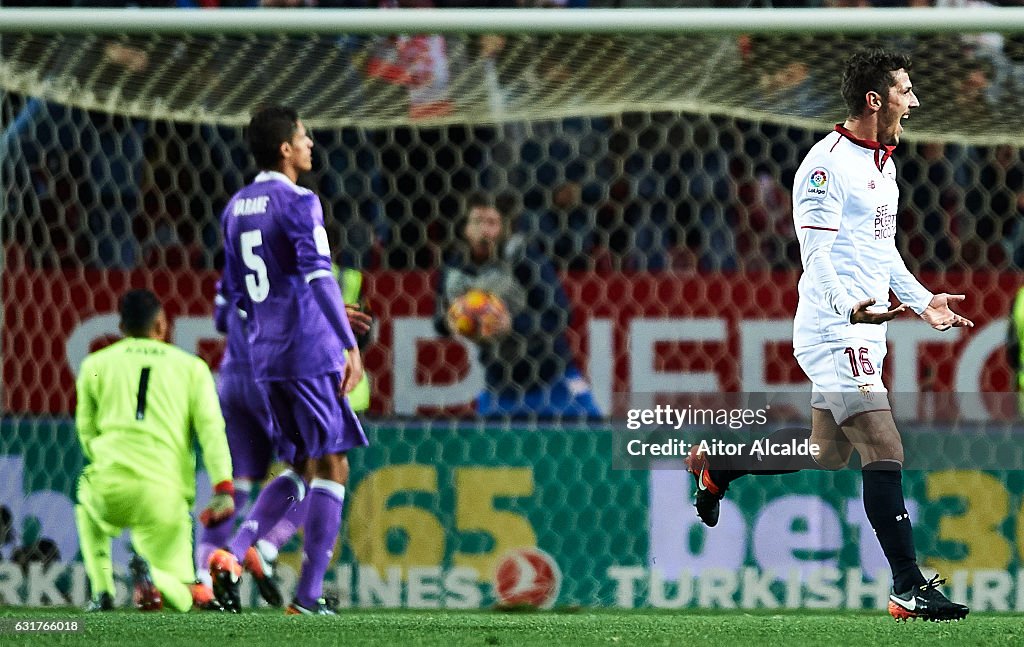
469, 516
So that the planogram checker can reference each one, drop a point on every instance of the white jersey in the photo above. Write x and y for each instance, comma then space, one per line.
845, 199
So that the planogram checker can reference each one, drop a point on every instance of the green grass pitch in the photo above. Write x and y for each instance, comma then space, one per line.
454, 628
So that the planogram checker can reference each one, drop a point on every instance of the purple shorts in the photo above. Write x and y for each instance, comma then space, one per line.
311, 419
247, 424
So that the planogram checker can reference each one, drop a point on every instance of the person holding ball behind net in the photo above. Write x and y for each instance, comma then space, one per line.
499, 291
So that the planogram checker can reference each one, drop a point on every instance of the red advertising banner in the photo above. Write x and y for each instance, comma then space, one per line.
631, 332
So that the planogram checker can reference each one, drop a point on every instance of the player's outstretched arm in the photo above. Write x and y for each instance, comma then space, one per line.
861, 314
939, 316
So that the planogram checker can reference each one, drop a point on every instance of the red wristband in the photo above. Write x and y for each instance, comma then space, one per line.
224, 487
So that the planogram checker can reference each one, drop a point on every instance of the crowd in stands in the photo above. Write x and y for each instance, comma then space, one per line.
668, 192
637, 192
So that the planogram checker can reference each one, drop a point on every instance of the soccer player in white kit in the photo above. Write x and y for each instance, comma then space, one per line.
845, 200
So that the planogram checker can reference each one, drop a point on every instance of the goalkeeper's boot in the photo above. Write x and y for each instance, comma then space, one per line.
102, 602
145, 595
226, 573
262, 571
709, 495
203, 598
927, 603
318, 609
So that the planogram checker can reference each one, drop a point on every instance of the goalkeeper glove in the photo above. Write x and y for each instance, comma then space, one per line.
221, 506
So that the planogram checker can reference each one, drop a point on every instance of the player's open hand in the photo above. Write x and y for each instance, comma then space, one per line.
353, 371
861, 314
220, 508
359, 320
939, 316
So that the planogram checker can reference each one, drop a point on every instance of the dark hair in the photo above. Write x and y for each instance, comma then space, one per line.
138, 312
268, 129
505, 203
870, 70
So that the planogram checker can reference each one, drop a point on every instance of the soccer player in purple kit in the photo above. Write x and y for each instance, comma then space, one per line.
277, 269
250, 433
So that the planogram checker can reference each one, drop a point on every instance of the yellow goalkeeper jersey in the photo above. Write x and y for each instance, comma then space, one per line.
141, 405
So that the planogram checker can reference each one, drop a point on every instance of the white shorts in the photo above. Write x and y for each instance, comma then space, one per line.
846, 376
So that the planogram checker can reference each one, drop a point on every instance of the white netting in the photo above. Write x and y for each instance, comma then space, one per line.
654, 172
371, 79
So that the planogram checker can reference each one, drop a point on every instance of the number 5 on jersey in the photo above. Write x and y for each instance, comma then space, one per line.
257, 283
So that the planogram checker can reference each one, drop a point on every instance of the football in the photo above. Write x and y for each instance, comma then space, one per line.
477, 314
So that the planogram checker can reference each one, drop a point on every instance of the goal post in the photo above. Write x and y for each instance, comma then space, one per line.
209, 66
476, 21
652, 153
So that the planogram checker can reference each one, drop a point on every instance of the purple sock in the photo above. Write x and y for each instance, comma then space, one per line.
271, 505
213, 537
285, 528
323, 521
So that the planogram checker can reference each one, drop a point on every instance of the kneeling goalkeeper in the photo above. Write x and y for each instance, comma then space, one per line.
141, 404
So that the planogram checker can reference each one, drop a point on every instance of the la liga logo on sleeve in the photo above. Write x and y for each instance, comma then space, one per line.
817, 183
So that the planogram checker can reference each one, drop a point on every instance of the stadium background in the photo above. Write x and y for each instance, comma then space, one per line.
669, 222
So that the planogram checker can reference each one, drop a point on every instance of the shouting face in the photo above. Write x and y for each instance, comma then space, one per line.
896, 107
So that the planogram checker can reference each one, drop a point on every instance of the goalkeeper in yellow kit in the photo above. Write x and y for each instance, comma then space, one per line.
141, 405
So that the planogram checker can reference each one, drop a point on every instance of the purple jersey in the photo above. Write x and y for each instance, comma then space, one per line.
248, 425
230, 321
274, 245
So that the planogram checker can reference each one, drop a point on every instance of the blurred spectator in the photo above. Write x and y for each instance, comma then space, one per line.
989, 44
784, 75
613, 241
993, 204
684, 257
53, 235
347, 175
763, 220
39, 3
930, 220
1014, 240
85, 169
711, 195
529, 368
566, 230
416, 62
129, 4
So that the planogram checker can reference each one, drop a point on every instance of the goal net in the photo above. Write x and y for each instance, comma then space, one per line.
652, 168
602, 63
